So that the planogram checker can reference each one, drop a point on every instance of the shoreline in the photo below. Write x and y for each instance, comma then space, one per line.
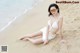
25, 11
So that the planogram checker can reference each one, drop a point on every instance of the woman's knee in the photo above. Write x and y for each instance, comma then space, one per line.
36, 42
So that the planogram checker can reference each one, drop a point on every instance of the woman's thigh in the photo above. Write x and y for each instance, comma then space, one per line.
38, 41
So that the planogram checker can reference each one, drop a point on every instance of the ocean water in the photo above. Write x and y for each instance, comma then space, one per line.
12, 9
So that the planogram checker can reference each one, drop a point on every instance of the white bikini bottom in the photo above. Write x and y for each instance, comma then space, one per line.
50, 36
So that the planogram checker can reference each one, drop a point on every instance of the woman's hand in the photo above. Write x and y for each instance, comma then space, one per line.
45, 42
63, 41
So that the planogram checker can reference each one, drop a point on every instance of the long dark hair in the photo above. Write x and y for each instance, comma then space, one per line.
53, 5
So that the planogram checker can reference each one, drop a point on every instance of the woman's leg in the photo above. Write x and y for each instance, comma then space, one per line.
35, 41
39, 33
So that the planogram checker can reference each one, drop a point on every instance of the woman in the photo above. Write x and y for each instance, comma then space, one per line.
49, 32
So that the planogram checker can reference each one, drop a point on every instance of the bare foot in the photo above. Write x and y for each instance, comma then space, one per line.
26, 36
25, 39
22, 38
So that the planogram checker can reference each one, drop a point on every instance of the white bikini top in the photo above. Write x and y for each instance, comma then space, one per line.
55, 23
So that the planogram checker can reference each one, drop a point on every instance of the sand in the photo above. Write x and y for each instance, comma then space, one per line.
37, 18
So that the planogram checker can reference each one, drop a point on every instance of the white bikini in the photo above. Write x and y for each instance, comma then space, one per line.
54, 25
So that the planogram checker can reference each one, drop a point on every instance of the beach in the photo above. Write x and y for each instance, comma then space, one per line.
37, 18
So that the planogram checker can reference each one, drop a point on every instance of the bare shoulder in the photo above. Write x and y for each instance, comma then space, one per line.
61, 18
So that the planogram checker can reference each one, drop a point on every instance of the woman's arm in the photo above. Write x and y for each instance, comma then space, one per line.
60, 27
60, 31
47, 32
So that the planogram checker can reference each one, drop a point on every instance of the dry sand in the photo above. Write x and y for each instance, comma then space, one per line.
37, 18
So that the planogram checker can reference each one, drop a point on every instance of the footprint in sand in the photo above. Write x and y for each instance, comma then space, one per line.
63, 47
64, 31
76, 19
78, 27
74, 30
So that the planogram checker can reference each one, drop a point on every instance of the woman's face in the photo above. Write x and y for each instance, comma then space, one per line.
53, 10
